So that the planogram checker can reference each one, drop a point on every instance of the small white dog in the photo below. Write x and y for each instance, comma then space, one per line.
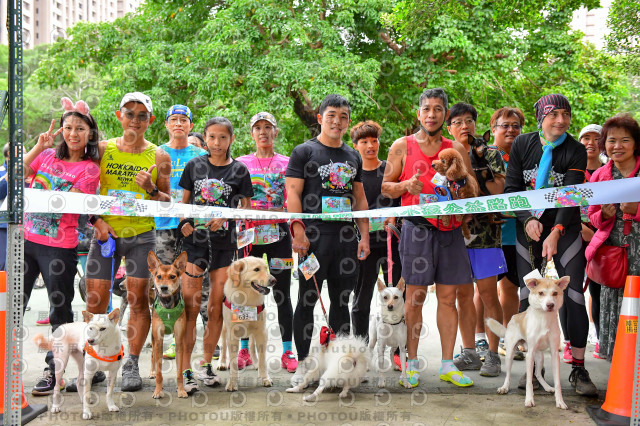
538, 326
342, 363
388, 329
99, 337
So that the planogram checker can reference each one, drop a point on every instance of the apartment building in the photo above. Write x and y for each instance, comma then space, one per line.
43, 21
593, 23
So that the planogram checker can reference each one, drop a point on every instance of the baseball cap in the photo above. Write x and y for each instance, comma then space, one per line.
179, 109
263, 116
591, 128
137, 97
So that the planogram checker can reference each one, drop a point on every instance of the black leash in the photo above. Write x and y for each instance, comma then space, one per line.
180, 239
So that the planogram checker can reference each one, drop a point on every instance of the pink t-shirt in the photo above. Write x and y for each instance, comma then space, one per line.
58, 229
267, 179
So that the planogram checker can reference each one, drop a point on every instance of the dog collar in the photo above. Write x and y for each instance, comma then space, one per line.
169, 316
88, 349
396, 323
227, 303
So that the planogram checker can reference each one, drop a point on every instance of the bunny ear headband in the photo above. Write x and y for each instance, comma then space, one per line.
80, 106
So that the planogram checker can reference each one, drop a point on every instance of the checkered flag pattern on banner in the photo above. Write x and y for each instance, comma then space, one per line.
107, 204
551, 196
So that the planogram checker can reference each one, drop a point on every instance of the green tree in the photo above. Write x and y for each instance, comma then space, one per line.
235, 58
624, 38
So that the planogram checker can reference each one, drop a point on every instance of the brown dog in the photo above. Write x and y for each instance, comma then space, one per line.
461, 183
169, 315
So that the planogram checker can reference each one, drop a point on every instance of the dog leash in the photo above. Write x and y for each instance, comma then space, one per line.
325, 332
180, 239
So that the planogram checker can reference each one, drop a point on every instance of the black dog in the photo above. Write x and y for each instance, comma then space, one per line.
483, 171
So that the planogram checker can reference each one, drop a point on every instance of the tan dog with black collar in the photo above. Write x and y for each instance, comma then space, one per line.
244, 315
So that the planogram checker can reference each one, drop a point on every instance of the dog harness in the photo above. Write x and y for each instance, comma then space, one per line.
88, 349
169, 316
457, 184
227, 303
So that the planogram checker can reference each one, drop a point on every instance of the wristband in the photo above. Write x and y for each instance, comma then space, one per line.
154, 191
559, 228
296, 221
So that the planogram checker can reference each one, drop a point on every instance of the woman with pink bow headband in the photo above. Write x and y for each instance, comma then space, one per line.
51, 239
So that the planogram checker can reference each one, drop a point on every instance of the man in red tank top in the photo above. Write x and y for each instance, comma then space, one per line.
430, 252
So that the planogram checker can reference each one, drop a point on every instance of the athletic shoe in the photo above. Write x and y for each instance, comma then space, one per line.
396, 361
568, 355
46, 383
131, 380
170, 353
289, 361
491, 365
482, 347
580, 380
468, 359
518, 354
43, 321
522, 384
189, 382
216, 352
207, 375
596, 352
97, 378
413, 377
244, 359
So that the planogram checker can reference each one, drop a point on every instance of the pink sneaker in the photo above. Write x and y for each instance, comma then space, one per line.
289, 361
43, 321
396, 361
596, 352
244, 359
568, 355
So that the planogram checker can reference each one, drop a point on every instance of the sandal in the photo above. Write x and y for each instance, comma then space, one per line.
449, 377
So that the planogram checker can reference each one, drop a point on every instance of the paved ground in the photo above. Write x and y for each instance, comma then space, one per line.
433, 402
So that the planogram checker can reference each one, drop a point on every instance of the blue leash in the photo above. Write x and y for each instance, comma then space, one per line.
108, 249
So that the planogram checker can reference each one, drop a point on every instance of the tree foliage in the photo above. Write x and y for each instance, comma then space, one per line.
238, 57
624, 38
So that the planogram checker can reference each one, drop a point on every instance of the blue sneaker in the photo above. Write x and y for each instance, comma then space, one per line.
413, 377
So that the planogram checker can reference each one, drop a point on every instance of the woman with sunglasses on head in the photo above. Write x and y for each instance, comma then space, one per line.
51, 239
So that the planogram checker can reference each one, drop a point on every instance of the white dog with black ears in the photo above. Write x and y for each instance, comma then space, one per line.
388, 329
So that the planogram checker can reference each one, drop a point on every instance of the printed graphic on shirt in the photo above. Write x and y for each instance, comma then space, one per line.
47, 224
337, 176
268, 190
555, 179
211, 192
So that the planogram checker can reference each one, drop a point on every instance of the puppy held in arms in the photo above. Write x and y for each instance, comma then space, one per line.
538, 326
461, 183
337, 362
244, 315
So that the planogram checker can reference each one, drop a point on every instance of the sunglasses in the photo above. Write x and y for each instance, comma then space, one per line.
143, 116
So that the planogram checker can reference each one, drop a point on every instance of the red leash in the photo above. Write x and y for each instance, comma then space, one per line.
391, 230
326, 333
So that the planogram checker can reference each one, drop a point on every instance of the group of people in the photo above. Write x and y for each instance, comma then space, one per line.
325, 175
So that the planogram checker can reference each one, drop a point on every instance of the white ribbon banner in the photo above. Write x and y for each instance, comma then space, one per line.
618, 191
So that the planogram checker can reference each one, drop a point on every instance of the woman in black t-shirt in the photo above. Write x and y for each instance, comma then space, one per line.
212, 180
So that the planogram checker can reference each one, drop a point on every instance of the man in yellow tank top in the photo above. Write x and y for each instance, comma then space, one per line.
131, 168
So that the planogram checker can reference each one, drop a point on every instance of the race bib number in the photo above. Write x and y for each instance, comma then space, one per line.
281, 263
335, 205
267, 234
376, 224
246, 237
309, 267
243, 313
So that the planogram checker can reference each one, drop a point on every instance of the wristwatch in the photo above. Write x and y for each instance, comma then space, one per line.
154, 191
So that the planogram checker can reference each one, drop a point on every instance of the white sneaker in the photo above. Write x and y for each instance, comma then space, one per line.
208, 377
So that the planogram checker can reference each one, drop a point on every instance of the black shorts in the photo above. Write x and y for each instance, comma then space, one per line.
198, 254
510, 255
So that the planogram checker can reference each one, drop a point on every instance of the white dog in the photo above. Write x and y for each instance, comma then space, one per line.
538, 326
99, 337
389, 330
342, 363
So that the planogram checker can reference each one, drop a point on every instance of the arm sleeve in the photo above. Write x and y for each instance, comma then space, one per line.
574, 176
514, 181
297, 161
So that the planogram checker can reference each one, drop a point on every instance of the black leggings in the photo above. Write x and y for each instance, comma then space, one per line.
339, 266
569, 261
365, 287
282, 290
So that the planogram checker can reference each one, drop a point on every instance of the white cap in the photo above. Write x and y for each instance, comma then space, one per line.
591, 128
137, 97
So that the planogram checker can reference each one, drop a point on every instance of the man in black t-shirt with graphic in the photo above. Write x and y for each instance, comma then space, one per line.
325, 176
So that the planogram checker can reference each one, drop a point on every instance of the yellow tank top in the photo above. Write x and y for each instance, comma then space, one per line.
118, 172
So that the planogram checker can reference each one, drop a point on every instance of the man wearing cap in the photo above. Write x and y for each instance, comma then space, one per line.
549, 158
178, 122
131, 168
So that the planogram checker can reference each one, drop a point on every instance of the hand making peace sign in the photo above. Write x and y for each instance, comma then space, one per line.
46, 139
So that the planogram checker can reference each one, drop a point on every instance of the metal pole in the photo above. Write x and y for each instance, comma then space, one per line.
635, 404
15, 254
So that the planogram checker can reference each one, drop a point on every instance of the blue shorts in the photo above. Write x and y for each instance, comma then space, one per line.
487, 262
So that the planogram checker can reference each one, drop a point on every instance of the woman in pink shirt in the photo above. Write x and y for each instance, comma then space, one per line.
51, 238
